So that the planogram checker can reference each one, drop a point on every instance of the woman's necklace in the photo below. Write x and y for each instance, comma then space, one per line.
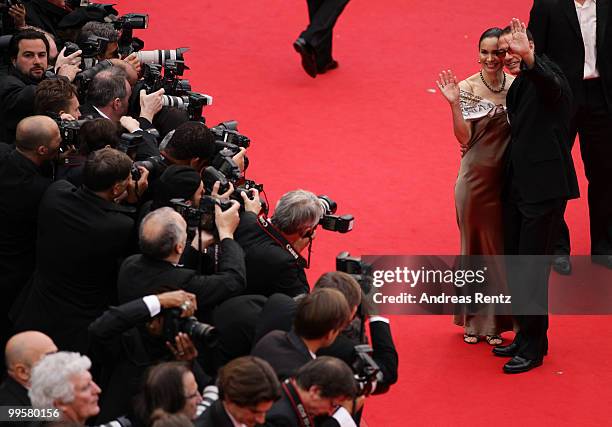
503, 85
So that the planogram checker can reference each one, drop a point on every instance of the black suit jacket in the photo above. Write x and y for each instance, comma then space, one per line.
215, 416
284, 351
44, 15
538, 158
270, 268
81, 240
141, 275
13, 394
556, 32
282, 414
16, 102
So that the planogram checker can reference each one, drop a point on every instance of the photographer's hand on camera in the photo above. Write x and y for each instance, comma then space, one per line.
136, 189
150, 104
252, 202
186, 301
129, 123
69, 71
239, 158
133, 60
18, 13
183, 348
227, 221
224, 196
206, 240
72, 59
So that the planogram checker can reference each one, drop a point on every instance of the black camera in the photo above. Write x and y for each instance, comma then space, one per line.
359, 270
127, 43
91, 47
331, 222
202, 218
228, 132
210, 175
69, 131
197, 331
156, 165
366, 370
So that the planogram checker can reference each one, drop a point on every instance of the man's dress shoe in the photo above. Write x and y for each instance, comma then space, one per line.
519, 364
605, 260
309, 61
562, 265
509, 350
331, 65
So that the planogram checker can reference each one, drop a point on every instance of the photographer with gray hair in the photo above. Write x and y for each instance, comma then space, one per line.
273, 246
62, 380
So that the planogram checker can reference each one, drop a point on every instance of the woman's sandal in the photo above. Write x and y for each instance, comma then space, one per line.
471, 339
494, 340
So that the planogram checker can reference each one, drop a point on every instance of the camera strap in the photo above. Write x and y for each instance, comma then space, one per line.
296, 403
275, 235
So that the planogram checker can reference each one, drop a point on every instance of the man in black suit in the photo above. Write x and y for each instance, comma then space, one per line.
247, 389
82, 235
273, 247
319, 318
163, 236
576, 35
315, 43
21, 353
25, 175
540, 179
321, 393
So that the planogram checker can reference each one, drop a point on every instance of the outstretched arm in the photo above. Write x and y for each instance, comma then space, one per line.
449, 87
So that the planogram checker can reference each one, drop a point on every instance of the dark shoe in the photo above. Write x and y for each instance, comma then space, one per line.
331, 65
471, 339
605, 260
562, 265
519, 364
309, 62
509, 350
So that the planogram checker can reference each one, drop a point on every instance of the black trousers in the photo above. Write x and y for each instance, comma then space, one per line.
592, 122
323, 15
530, 229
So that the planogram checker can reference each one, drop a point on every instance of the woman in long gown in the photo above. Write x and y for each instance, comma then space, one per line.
480, 125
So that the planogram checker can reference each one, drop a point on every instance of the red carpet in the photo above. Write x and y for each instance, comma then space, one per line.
374, 137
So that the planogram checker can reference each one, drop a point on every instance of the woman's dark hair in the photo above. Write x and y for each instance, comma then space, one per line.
491, 32
162, 390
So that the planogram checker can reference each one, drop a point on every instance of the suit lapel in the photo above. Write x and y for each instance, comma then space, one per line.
569, 8
602, 21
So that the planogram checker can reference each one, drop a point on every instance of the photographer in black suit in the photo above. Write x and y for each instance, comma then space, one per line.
319, 318
163, 240
540, 179
273, 247
321, 393
247, 389
577, 36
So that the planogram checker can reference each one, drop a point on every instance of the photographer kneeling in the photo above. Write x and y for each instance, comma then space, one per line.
128, 339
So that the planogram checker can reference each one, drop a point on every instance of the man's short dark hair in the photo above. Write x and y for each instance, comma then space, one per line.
100, 29
332, 376
248, 381
343, 282
508, 30
96, 134
13, 48
104, 168
53, 96
321, 312
106, 86
191, 140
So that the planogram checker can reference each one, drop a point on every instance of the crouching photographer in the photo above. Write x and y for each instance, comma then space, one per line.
128, 339
273, 246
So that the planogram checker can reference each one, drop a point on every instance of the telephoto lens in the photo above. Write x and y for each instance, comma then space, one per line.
161, 56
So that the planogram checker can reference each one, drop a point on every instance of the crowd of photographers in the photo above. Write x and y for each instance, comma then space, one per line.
143, 281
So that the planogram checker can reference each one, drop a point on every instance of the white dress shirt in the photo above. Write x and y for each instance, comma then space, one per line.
587, 17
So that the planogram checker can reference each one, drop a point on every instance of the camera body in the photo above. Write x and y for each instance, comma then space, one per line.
197, 331
156, 165
203, 217
69, 131
359, 270
331, 222
366, 370
91, 47
227, 132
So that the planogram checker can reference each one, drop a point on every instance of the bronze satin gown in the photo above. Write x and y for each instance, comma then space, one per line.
478, 205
